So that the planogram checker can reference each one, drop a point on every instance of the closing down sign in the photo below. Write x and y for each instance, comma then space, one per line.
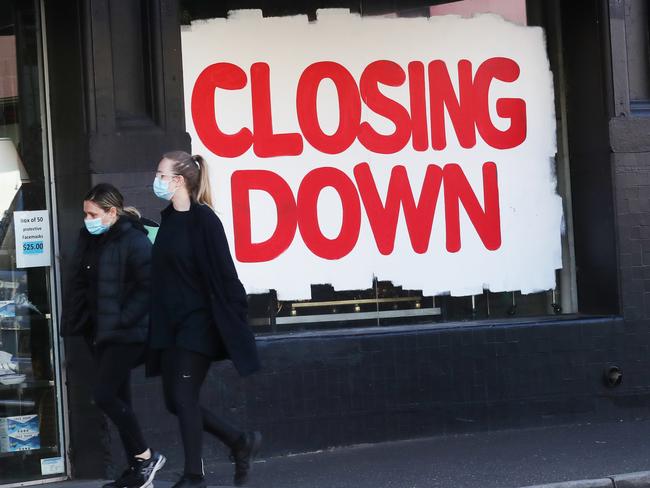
415, 150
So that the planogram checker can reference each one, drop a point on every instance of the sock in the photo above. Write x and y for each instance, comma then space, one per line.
144, 457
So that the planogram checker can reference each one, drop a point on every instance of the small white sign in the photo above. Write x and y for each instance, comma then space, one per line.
32, 239
52, 466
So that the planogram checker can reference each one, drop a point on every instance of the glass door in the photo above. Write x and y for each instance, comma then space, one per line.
30, 402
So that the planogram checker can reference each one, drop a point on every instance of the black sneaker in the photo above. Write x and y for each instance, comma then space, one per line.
243, 455
121, 481
131, 478
146, 469
194, 482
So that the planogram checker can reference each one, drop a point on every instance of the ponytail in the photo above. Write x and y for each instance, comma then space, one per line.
132, 212
203, 191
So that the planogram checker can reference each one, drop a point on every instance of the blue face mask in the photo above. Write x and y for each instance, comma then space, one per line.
95, 226
161, 189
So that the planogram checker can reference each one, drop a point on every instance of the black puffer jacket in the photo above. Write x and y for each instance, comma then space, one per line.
120, 313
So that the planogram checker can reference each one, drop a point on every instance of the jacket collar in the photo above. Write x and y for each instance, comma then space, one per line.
170, 208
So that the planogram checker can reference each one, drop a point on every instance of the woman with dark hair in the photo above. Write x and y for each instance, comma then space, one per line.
107, 301
199, 312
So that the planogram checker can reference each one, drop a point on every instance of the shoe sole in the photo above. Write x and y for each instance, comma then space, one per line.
161, 462
257, 444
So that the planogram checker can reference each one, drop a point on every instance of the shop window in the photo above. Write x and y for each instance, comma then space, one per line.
383, 302
31, 446
512, 10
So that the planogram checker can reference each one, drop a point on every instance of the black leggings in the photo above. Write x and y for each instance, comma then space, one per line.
112, 392
183, 373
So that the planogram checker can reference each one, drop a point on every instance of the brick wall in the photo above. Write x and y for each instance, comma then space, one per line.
631, 171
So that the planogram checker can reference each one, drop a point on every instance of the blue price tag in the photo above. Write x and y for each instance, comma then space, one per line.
33, 247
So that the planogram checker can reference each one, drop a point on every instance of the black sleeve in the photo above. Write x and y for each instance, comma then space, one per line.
222, 259
138, 267
74, 306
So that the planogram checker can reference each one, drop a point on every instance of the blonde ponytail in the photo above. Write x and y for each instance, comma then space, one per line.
203, 191
132, 211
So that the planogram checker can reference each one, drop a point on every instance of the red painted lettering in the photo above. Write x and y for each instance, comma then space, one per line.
383, 217
486, 222
465, 104
417, 90
443, 97
506, 70
308, 194
266, 144
391, 74
243, 182
349, 107
226, 76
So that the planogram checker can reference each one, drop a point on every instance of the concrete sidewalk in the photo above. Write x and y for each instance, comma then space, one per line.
508, 459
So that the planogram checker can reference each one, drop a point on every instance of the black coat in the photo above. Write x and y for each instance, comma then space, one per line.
122, 291
225, 294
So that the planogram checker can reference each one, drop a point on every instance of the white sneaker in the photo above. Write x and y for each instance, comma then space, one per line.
12, 366
12, 379
5, 357
9, 370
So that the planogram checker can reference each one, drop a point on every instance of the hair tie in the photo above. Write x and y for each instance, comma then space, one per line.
194, 158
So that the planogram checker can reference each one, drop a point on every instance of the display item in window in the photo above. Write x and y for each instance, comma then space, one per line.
21, 433
9, 374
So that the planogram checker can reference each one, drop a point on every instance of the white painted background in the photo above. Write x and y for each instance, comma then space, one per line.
531, 210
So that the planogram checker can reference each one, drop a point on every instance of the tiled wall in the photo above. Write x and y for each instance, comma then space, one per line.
325, 390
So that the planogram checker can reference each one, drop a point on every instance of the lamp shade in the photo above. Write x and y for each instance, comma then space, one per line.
10, 160
12, 174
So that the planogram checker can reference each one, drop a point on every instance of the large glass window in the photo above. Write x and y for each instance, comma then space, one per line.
383, 302
30, 426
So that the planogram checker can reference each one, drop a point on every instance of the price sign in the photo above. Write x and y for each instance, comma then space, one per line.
32, 238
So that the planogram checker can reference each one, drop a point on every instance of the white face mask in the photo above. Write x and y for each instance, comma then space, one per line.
161, 189
95, 226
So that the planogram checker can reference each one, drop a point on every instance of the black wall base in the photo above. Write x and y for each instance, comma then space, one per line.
318, 391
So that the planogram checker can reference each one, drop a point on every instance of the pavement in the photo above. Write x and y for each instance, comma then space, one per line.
609, 455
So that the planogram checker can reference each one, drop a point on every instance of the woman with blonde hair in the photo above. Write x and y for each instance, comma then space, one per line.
199, 312
107, 302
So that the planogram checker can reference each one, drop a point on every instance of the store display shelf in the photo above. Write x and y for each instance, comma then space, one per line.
43, 450
28, 384
25, 328
22, 322
7, 323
